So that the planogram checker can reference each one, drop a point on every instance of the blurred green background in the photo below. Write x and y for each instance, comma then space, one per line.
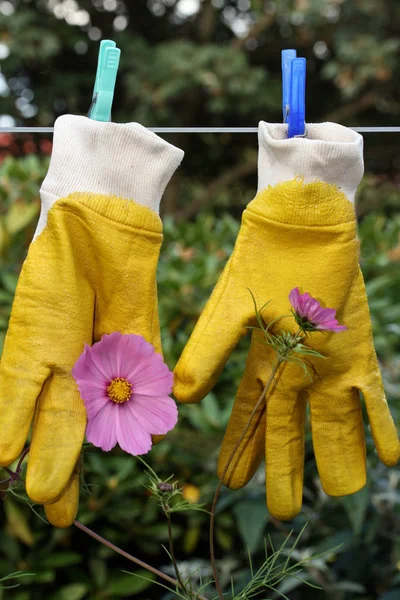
188, 63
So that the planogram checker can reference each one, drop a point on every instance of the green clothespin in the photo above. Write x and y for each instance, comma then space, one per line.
104, 86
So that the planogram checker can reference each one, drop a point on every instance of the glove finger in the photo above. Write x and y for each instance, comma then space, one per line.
217, 332
284, 446
18, 396
383, 428
249, 454
40, 333
57, 438
338, 438
366, 376
63, 511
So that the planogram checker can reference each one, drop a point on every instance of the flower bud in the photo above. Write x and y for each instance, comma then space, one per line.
165, 487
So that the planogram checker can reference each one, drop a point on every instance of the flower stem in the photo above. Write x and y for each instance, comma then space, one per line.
133, 559
15, 475
275, 368
171, 549
21, 459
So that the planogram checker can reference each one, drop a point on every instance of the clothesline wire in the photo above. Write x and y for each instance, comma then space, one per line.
196, 129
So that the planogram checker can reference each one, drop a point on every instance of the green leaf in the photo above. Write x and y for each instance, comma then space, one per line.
17, 522
73, 591
98, 570
350, 586
19, 216
9, 281
191, 539
211, 410
342, 538
223, 538
6, 297
251, 518
61, 559
126, 585
391, 595
356, 506
19, 595
290, 583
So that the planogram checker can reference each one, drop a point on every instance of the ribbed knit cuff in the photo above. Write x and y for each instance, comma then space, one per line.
329, 153
124, 160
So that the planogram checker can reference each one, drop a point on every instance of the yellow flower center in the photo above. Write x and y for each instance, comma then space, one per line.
119, 390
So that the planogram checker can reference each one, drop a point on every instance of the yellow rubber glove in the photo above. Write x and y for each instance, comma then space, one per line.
90, 270
300, 230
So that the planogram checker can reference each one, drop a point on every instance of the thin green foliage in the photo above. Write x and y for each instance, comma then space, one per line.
190, 594
25, 498
286, 345
275, 568
168, 494
16, 488
17, 575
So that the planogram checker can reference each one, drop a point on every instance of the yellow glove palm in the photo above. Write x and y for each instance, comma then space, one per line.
293, 234
73, 288
91, 271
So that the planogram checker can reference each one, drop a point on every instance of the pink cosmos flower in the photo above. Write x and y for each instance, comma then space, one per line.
310, 315
125, 386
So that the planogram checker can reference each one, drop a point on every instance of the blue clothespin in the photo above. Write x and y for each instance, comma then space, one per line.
294, 93
104, 86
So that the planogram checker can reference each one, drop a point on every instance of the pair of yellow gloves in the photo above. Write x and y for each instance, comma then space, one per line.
91, 270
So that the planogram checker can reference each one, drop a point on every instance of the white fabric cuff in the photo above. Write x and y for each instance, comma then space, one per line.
125, 160
329, 152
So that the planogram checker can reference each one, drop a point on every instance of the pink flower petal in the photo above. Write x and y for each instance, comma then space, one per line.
155, 380
324, 314
94, 399
294, 298
84, 368
101, 431
307, 305
95, 364
150, 410
139, 354
156, 415
311, 314
109, 350
130, 435
103, 355
331, 326
314, 309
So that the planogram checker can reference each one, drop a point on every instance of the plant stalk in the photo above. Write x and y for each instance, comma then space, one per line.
133, 559
21, 459
171, 549
275, 368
